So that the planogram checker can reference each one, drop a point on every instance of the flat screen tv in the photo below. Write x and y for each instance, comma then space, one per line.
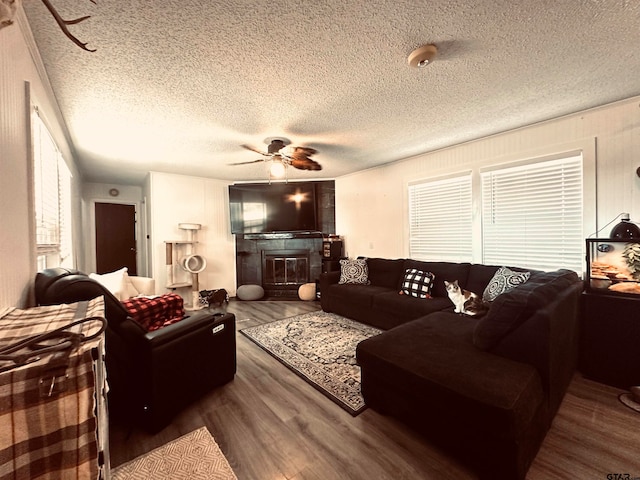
275, 207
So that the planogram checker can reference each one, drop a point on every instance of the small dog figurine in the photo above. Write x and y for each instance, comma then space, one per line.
215, 299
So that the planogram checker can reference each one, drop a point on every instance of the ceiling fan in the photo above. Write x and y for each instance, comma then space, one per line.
299, 158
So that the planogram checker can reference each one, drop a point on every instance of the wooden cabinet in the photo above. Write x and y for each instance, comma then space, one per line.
610, 344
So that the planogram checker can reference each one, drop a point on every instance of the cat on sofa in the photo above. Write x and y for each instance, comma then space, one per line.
466, 302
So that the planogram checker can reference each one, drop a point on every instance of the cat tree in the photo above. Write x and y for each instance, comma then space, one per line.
180, 255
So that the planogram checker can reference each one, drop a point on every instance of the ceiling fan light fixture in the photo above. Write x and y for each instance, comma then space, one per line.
277, 169
422, 56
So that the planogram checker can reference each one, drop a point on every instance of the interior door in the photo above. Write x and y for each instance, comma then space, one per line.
115, 237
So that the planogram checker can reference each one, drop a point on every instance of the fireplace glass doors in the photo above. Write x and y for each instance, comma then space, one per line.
284, 269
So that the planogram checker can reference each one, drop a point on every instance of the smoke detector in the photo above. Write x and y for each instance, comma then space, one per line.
422, 56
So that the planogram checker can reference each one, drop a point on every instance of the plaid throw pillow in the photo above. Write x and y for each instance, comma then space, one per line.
417, 283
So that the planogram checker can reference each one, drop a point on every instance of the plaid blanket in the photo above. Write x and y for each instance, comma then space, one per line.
154, 313
50, 437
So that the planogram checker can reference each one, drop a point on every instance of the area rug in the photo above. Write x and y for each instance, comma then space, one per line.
194, 456
321, 348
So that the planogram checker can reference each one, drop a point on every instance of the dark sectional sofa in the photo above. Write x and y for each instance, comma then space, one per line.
485, 389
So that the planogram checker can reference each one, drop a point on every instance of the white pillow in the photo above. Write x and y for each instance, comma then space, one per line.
130, 290
114, 282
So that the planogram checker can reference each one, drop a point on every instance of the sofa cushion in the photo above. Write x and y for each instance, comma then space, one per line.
409, 308
417, 283
434, 359
479, 276
384, 272
509, 310
442, 271
503, 281
355, 294
354, 271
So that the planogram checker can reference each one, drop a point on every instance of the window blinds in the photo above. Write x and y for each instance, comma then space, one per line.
47, 203
440, 221
64, 200
532, 215
52, 196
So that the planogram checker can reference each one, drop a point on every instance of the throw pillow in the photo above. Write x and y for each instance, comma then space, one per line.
504, 280
354, 271
417, 283
113, 281
130, 290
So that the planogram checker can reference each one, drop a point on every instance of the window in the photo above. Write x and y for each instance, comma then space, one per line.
440, 219
532, 214
52, 195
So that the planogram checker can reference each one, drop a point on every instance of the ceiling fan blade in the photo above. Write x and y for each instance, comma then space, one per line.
300, 159
246, 163
248, 147
305, 164
303, 152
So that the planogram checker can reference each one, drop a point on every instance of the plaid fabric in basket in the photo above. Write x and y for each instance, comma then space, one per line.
154, 313
41, 436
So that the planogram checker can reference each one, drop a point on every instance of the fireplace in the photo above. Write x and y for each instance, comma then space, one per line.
283, 271
286, 275
279, 262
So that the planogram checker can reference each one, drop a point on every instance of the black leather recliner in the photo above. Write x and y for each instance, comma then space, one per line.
151, 375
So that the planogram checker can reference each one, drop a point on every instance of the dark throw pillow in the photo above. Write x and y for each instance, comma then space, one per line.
417, 283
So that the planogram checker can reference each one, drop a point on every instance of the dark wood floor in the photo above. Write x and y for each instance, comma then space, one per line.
272, 425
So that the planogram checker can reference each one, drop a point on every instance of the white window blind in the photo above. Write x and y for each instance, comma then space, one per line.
532, 215
52, 192
440, 220
64, 198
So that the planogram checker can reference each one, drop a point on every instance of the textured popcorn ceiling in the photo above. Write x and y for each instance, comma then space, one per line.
177, 86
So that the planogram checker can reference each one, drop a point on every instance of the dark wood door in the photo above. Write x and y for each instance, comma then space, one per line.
115, 237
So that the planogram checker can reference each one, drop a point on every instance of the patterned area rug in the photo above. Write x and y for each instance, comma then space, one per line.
321, 348
194, 456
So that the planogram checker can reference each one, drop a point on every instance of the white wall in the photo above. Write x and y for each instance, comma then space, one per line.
174, 199
20, 63
371, 206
